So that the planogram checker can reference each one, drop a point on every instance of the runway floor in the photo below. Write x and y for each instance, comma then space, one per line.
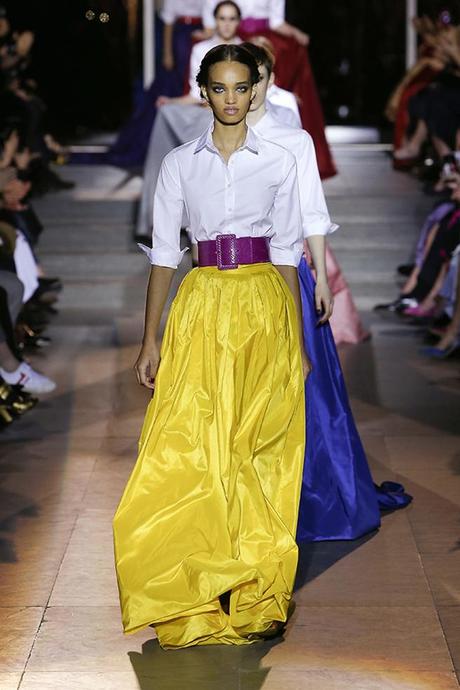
379, 613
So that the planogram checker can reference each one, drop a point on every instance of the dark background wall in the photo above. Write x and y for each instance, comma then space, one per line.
86, 68
82, 67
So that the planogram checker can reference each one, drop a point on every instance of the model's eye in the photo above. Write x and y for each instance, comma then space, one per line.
218, 89
242, 89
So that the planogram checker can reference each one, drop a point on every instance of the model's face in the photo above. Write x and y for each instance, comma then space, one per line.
261, 92
227, 22
229, 91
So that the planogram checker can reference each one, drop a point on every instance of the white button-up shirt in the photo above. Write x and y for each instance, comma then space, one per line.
254, 195
277, 96
315, 216
273, 10
199, 50
172, 9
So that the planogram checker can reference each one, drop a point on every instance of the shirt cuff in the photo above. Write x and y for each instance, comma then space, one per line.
167, 17
320, 227
163, 257
286, 257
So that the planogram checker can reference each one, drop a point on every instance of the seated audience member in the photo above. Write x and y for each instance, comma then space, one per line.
434, 106
430, 293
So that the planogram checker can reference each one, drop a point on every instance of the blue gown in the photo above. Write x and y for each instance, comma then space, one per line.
339, 499
130, 148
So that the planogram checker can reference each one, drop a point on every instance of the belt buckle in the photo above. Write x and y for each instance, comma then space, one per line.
227, 252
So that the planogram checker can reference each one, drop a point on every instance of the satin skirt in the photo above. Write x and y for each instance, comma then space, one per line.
211, 507
338, 498
345, 322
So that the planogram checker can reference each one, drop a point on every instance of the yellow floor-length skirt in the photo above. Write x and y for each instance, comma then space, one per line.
211, 506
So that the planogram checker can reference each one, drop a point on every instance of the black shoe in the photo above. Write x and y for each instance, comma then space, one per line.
399, 305
405, 269
442, 321
53, 284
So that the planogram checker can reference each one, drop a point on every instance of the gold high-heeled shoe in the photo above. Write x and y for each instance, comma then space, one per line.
16, 401
5, 417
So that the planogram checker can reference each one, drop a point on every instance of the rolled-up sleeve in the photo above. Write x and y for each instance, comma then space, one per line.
168, 12
277, 13
207, 14
168, 206
315, 216
195, 62
286, 243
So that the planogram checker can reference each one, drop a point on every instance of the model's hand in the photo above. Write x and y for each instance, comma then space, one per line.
301, 37
202, 34
162, 100
306, 365
324, 301
146, 366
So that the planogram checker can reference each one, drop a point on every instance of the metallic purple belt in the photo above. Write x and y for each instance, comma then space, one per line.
229, 251
252, 25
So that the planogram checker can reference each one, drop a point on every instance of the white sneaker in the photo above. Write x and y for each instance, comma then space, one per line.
29, 379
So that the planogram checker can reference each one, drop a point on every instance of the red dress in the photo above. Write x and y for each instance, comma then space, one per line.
294, 73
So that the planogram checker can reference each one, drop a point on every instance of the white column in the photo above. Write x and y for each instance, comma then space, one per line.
148, 25
411, 35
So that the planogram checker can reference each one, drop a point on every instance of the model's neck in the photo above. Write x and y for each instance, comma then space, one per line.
226, 40
228, 138
254, 116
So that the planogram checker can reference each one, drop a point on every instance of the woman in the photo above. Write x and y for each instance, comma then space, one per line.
294, 73
182, 119
181, 19
227, 16
338, 499
205, 531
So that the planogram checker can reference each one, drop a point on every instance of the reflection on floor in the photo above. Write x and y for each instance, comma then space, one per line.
380, 613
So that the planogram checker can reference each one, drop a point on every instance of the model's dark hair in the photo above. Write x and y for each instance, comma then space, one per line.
261, 55
227, 52
227, 2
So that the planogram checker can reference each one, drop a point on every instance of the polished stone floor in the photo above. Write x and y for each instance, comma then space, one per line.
379, 613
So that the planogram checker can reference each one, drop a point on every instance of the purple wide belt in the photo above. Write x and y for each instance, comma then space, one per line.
229, 251
252, 25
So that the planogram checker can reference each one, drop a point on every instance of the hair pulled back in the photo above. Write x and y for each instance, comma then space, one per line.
227, 52
223, 3
261, 54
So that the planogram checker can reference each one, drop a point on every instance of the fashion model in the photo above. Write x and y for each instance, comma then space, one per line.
339, 499
204, 534
293, 73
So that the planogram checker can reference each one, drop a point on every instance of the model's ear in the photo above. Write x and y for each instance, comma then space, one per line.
253, 92
204, 93
271, 81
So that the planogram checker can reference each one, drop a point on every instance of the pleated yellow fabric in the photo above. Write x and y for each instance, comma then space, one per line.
211, 506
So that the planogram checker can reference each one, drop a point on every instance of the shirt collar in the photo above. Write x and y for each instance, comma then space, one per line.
266, 121
205, 141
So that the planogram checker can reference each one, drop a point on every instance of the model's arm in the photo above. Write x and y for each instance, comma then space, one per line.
168, 54
291, 277
188, 99
278, 23
146, 366
286, 29
286, 242
316, 222
165, 256
323, 296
